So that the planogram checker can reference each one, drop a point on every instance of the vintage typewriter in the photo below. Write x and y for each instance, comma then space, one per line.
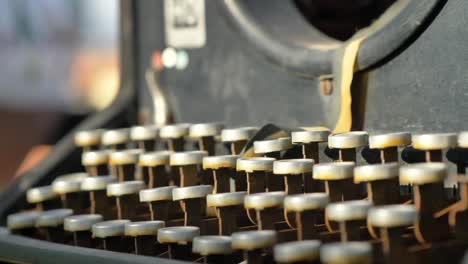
238, 135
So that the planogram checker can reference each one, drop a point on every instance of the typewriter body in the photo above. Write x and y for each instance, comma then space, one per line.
267, 132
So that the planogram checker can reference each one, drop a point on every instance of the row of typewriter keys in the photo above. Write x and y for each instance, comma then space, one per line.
191, 204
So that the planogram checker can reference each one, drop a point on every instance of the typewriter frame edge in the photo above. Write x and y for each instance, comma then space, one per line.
18, 249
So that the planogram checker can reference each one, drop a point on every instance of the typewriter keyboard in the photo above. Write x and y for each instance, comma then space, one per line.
206, 193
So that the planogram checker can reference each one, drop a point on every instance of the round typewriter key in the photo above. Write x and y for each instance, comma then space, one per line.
382, 182
228, 207
307, 251
179, 241
297, 175
68, 186
310, 139
144, 236
205, 134
153, 167
174, 135
145, 137
428, 197
112, 234
346, 253
23, 223
159, 200
96, 162
347, 143
43, 197
463, 139
88, 140
192, 202
123, 164
338, 179
433, 144
189, 163
350, 216
80, 226
237, 137
308, 213
99, 202
268, 208
459, 155
392, 221
126, 197
388, 144
258, 171
51, 223
222, 168
272, 148
213, 249
256, 245
116, 139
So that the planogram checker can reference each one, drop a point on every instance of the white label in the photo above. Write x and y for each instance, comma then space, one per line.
185, 23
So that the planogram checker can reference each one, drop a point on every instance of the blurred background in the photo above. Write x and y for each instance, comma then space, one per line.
60, 63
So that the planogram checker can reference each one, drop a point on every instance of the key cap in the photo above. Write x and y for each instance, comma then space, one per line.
228, 207
258, 171
111, 233
51, 224
462, 163
433, 144
297, 175
429, 198
99, 202
347, 143
307, 251
388, 145
96, 162
272, 148
237, 138
188, 163
381, 181
160, 202
205, 135
23, 223
144, 235
310, 140
127, 198
350, 216
179, 241
153, 167
115, 139
268, 209
145, 137
193, 202
391, 222
80, 226
221, 168
338, 178
308, 212
213, 249
463, 139
44, 198
88, 140
174, 136
68, 186
123, 164
256, 245
346, 253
